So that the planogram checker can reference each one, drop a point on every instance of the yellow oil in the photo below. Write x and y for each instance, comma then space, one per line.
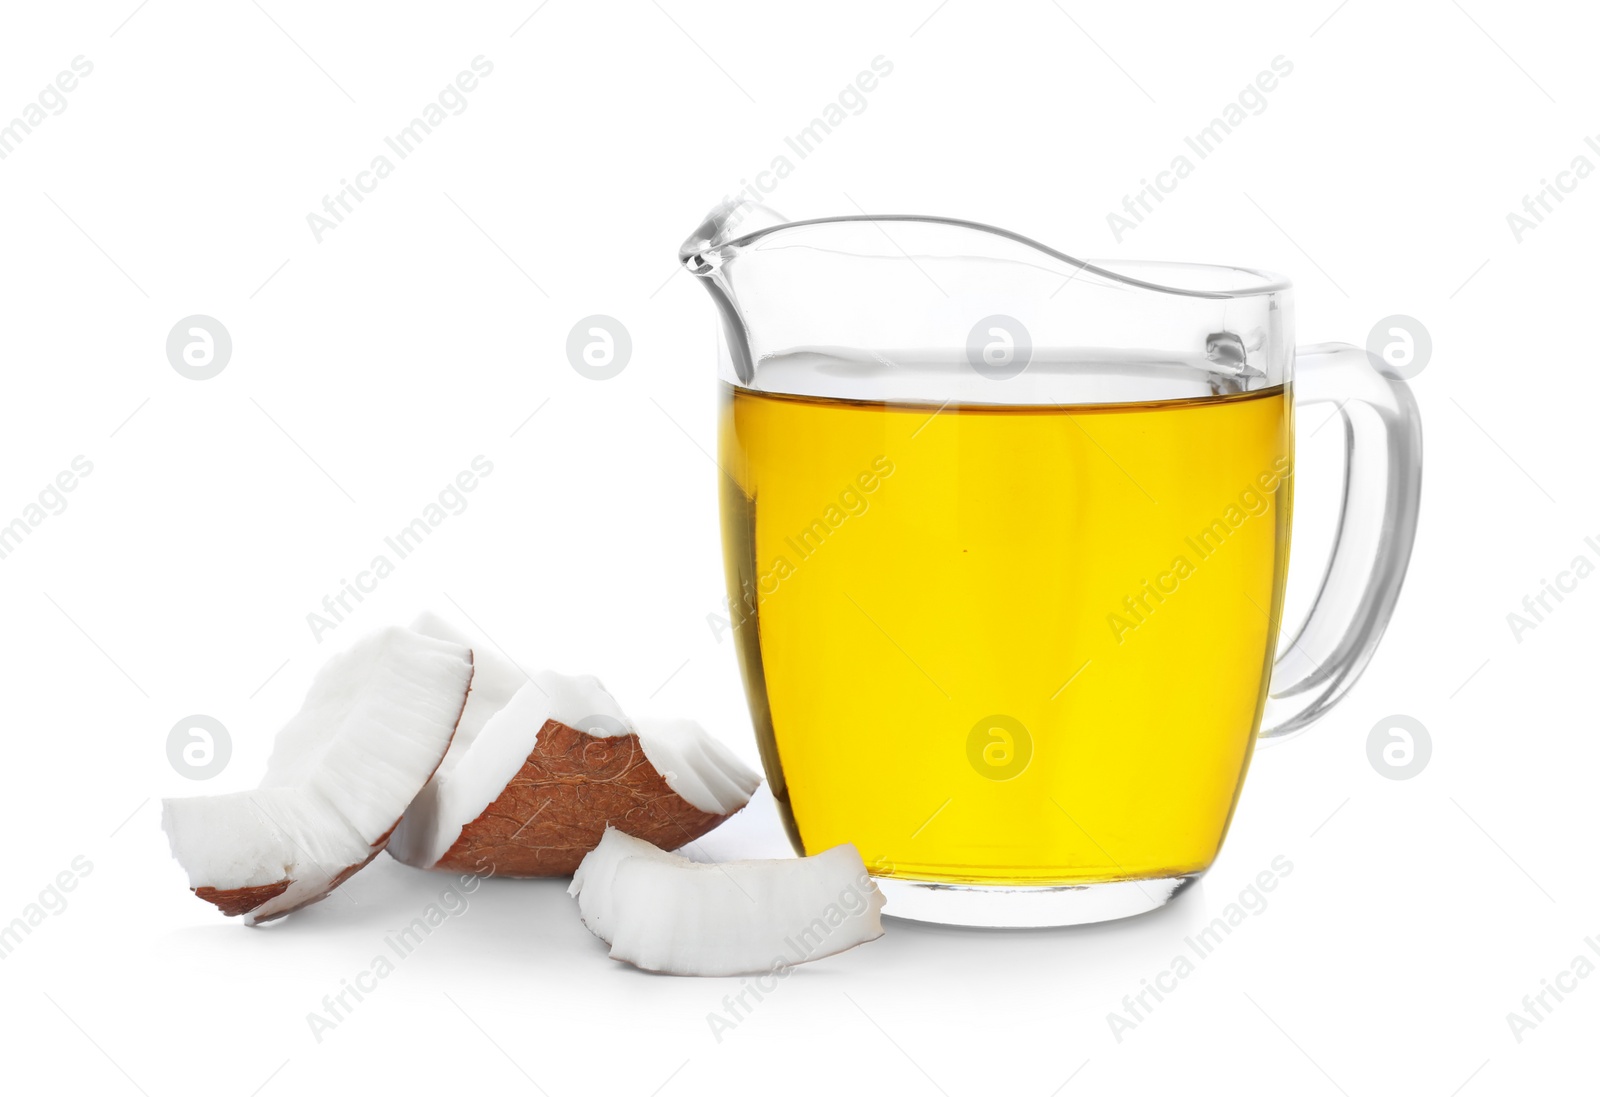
1007, 644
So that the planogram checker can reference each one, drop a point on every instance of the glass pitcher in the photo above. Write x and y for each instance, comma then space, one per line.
1006, 536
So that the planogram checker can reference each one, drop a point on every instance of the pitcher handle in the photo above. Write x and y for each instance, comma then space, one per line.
1372, 546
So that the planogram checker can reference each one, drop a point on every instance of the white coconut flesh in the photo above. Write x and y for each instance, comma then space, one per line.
374, 726
591, 883
696, 766
495, 680
671, 915
500, 731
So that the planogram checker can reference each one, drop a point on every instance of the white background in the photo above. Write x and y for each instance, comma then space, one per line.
368, 369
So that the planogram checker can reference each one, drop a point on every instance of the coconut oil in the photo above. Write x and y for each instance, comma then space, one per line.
1007, 644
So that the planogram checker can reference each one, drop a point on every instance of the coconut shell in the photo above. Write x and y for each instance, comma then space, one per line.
557, 807
236, 901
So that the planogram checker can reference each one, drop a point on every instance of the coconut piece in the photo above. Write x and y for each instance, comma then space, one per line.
528, 789
667, 914
374, 726
591, 883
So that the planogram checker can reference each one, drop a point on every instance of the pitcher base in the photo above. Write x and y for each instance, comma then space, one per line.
1015, 907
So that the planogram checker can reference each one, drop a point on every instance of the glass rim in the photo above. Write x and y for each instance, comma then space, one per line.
1210, 281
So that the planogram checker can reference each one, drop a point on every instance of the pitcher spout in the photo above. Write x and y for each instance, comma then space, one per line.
727, 222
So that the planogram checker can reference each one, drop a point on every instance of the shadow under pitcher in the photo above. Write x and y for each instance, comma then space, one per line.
1006, 537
